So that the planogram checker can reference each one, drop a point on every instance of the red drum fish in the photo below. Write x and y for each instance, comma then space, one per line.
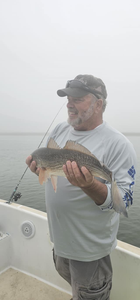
52, 158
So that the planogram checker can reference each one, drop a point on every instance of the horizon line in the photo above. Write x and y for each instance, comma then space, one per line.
41, 133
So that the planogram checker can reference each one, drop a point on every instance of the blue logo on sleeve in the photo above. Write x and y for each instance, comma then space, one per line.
132, 172
128, 197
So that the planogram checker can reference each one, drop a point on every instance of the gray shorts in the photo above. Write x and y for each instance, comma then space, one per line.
89, 280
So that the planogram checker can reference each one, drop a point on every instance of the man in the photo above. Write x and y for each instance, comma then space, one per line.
83, 224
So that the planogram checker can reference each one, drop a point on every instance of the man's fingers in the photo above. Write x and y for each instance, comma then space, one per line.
28, 160
78, 177
69, 169
88, 177
77, 172
86, 173
32, 165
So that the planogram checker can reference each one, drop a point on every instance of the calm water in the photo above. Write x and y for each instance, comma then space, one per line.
13, 151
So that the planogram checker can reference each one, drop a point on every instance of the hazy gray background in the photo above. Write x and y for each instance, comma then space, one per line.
44, 43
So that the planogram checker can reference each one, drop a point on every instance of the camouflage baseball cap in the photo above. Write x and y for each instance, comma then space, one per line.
82, 85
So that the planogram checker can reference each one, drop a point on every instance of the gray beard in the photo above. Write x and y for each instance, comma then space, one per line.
75, 122
83, 118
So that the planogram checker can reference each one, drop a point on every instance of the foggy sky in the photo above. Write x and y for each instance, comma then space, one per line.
45, 43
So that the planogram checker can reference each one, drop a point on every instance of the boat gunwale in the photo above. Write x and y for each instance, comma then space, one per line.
122, 246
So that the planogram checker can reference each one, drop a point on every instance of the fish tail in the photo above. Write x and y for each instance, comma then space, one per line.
118, 203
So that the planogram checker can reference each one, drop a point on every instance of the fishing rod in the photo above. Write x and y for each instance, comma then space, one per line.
15, 196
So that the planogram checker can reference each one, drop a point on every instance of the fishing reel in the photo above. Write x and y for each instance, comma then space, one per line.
17, 196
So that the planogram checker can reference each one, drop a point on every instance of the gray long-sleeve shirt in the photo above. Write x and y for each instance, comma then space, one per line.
79, 228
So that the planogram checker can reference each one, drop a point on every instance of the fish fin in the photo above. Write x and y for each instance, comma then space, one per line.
71, 145
52, 144
43, 176
54, 182
118, 203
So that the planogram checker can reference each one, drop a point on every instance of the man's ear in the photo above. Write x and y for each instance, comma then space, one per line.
99, 105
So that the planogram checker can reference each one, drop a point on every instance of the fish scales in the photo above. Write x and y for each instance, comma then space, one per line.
54, 159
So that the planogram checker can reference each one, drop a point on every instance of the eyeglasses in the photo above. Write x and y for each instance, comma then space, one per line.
79, 84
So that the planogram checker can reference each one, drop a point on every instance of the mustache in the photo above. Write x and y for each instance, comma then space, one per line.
72, 110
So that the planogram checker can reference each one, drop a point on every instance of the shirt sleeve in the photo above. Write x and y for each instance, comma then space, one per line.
121, 160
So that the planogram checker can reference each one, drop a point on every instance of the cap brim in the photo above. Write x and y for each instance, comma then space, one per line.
72, 92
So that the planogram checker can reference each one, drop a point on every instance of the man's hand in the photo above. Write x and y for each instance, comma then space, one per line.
95, 189
32, 165
77, 177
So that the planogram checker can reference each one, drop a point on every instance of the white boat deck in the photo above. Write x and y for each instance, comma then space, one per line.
15, 285
26, 265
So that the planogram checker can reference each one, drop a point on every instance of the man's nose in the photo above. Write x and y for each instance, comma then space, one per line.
70, 104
